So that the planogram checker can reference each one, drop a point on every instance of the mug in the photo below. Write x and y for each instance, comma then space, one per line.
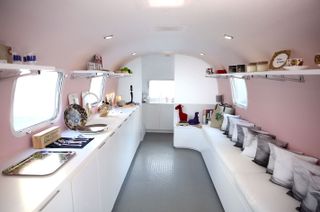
295, 62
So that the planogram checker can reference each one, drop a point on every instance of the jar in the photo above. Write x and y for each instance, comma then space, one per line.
262, 66
252, 67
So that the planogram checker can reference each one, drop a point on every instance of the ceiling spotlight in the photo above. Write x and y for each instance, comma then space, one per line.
108, 37
228, 37
202, 54
166, 3
133, 53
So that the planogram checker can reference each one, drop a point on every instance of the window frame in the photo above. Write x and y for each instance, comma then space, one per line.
42, 124
234, 100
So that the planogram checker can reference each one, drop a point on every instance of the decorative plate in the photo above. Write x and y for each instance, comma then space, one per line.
279, 59
75, 117
295, 67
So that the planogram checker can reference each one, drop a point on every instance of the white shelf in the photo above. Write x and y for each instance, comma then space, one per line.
77, 74
271, 72
96, 73
13, 70
116, 74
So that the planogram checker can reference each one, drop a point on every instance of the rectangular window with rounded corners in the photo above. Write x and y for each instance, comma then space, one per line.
97, 87
239, 92
161, 91
36, 100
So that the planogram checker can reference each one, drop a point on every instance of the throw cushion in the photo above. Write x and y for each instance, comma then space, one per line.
263, 149
231, 125
272, 159
311, 202
225, 120
301, 177
283, 166
242, 123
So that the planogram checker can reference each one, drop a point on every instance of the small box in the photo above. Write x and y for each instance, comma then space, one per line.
46, 137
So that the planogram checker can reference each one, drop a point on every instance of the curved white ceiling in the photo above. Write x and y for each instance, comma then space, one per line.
66, 33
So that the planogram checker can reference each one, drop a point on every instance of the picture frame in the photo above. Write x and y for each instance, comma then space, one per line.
73, 99
279, 59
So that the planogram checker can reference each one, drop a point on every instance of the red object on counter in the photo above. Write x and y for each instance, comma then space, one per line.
222, 71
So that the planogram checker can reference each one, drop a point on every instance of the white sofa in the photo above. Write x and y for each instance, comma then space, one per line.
241, 184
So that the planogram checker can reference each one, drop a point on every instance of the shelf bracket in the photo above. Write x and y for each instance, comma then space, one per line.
282, 78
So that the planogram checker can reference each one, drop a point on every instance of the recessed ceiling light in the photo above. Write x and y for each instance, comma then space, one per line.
133, 53
228, 37
108, 37
166, 3
202, 54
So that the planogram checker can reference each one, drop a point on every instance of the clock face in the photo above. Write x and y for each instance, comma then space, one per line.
280, 60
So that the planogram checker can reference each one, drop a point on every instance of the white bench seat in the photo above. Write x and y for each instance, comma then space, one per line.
241, 184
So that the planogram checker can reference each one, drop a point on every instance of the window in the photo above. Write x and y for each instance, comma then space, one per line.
96, 89
239, 92
161, 91
36, 100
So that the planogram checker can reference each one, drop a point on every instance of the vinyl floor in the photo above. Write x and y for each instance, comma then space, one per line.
165, 179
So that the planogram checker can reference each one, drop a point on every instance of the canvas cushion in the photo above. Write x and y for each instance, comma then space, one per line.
263, 150
225, 120
242, 123
250, 142
283, 166
301, 177
311, 202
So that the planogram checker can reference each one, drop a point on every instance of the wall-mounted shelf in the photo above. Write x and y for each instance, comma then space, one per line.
77, 74
14, 70
280, 75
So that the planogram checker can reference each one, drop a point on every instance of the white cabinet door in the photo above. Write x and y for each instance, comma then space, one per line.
60, 200
114, 159
151, 116
109, 172
85, 187
166, 117
158, 117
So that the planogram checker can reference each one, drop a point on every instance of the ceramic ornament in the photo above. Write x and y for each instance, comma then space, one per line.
182, 116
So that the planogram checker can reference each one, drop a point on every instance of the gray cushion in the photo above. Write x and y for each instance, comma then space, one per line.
301, 177
240, 137
263, 150
283, 165
311, 202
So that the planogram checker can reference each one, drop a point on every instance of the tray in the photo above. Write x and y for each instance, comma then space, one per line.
40, 163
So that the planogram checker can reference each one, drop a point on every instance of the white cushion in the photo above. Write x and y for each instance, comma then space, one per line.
241, 122
250, 143
301, 177
232, 122
283, 165
225, 120
311, 201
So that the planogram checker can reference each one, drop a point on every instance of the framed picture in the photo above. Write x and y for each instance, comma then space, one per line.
73, 99
279, 59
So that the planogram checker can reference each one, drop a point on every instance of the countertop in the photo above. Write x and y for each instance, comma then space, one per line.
25, 193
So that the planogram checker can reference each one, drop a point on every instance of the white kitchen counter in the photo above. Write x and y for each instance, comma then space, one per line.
25, 193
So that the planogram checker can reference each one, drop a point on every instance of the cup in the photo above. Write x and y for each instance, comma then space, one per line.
295, 62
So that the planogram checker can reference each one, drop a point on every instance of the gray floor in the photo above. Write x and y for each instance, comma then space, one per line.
165, 179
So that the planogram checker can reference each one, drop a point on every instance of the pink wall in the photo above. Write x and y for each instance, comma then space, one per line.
289, 110
9, 144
